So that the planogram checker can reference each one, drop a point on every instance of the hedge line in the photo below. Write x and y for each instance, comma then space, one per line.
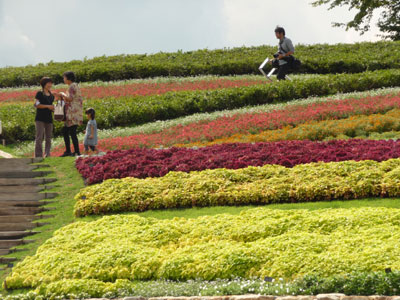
319, 58
18, 119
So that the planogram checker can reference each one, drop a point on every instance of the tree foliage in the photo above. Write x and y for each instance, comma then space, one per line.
389, 20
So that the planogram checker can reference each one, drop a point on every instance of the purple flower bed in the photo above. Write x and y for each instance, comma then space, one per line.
142, 162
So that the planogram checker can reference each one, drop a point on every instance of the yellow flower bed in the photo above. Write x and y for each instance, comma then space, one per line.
258, 242
252, 185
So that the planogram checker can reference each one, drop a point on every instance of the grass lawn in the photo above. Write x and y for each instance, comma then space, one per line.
70, 182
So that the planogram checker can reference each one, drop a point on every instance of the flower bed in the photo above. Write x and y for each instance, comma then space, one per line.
251, 185
258, 242
255, 122
360, 125
112, 112
144, 162
139, 89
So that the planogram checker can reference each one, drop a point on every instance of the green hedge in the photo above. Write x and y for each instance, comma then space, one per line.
320, 58
18, 119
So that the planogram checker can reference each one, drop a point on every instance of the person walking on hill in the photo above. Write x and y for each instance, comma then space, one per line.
285, 53
44, 117
73, 114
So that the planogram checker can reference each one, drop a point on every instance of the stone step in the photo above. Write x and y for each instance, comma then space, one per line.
23, 188
9, 251
23, 203
20, 226
23, 174
25, 181
9, 235
13, 210
23, 218
6, 244
26, 196
22, 160
6, 260
18, 168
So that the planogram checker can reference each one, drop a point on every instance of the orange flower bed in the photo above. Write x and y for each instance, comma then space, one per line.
317, 130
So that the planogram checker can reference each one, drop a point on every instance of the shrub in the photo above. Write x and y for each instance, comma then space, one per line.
340, 58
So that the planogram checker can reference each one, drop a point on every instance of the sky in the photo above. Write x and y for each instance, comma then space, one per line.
36, 31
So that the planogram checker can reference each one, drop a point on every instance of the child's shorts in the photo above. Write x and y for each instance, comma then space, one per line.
93, 148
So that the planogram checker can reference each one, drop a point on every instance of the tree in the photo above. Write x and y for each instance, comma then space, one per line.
389, 20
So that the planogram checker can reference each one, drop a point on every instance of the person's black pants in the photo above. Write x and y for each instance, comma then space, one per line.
67, 133
283, 70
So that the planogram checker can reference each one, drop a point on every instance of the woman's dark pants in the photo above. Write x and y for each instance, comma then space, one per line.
67, 133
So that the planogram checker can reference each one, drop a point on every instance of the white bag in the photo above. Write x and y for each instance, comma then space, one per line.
59, 111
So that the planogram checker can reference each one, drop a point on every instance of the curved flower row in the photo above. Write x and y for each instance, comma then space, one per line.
227, 126
257, 243
251, 185
139, 89
144, 162
353, 126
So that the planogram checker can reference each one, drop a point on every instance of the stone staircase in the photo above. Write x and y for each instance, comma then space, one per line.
22, 196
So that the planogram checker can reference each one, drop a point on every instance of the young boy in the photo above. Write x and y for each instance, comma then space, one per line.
90, 141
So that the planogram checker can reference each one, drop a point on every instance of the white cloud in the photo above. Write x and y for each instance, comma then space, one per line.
251, 22
44, 30
17, 47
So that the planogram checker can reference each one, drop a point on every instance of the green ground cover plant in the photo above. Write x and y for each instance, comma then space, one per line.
258, 242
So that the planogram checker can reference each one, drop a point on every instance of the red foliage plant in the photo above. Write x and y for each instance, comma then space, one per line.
144, 162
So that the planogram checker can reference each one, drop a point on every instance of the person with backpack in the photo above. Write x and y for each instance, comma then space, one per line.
44, 117
284, 59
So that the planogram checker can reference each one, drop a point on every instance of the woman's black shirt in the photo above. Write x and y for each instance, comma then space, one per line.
44, 115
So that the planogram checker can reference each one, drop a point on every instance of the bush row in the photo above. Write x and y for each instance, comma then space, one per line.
251, 185
18, 121
354, 126
340, 58
258, 242
145, 162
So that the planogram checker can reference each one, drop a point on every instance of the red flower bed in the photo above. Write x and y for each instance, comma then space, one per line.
143, 162
139, 89
252, 122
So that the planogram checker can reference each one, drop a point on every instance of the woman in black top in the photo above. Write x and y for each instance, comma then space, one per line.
44, 117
